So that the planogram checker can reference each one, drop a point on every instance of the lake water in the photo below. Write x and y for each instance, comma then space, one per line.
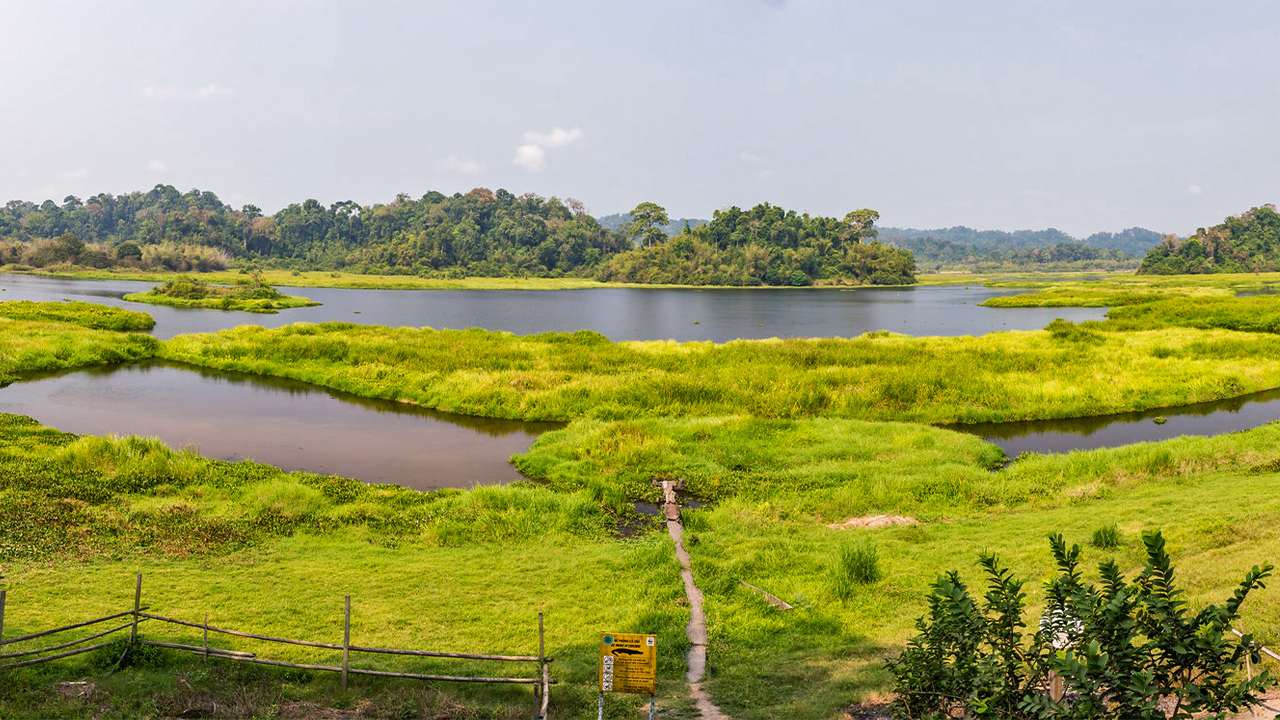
291, 425
297, 426
1060, 436
618, 313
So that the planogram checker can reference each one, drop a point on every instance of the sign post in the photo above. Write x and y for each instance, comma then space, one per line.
628, 664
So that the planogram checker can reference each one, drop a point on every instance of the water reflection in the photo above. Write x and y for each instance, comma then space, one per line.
292, 425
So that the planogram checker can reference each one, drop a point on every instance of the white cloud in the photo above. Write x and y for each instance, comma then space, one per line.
530, 157
77, 174
750, 157
157, 166
1195, 190
173, 92
557, 138
464, 165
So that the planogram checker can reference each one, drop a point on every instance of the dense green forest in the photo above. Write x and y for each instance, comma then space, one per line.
1249, 242
481, 233
674, 227
478, 233
765, 245
967, 250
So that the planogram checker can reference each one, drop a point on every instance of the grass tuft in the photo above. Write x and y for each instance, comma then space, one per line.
855, 565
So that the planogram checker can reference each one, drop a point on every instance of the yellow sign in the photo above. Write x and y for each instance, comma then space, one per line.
628, 663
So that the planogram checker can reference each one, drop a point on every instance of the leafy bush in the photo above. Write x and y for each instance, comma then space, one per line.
1128, 650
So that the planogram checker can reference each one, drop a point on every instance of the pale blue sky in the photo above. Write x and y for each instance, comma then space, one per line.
1084, 116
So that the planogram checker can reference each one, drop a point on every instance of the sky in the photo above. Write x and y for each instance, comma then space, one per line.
1084, 116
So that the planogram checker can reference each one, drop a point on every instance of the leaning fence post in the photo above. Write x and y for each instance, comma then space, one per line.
346, 642
137, 608
542, 662
2, 592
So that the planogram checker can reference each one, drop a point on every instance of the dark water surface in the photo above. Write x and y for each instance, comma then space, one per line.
618, 313
292, 425
1060, 436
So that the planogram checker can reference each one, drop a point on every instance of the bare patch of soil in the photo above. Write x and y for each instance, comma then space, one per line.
874, 521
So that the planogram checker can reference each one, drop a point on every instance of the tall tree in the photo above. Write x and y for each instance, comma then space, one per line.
647, 221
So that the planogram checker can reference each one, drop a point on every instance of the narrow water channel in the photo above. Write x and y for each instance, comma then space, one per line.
292, 425
1060, 436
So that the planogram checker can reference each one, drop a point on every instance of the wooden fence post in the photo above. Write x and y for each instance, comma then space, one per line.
542, 663
137, 608
2, 593
206, 638
346, 642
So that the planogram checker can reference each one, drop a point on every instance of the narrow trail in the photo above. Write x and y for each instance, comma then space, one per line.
696, 658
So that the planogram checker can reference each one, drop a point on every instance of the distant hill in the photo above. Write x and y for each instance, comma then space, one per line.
1134, 241
673, 228
1249, 242
965, 249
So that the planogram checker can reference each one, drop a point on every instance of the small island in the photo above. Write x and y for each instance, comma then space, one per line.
251, 294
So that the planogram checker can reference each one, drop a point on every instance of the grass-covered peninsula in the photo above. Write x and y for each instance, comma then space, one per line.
789, 440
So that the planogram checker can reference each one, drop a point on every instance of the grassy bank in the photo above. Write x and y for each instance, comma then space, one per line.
36, 337
1071, 371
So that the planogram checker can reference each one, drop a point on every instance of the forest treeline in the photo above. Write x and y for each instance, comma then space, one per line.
1249, 242
765, 245
965, 249
481, 233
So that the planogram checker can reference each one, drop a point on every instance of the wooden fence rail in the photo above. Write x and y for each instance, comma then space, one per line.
542, 683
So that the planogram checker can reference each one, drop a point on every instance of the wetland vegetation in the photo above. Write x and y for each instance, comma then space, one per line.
789, 439
252, 294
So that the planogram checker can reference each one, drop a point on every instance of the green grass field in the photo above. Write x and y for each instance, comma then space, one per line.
789, 439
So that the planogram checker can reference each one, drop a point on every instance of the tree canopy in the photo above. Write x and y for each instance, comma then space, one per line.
478, 233
768, 245
1249, 242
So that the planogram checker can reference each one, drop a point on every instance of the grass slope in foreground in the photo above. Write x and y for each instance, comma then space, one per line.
307, 540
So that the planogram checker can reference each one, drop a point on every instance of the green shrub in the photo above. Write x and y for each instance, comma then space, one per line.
1125, 650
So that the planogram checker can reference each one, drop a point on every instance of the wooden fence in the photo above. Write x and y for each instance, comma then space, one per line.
541, 684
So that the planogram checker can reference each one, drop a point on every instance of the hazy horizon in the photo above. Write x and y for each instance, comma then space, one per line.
1079, 116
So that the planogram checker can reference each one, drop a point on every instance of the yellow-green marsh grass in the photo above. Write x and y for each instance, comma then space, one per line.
879, 376
83, 314
31, 345
832, 470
